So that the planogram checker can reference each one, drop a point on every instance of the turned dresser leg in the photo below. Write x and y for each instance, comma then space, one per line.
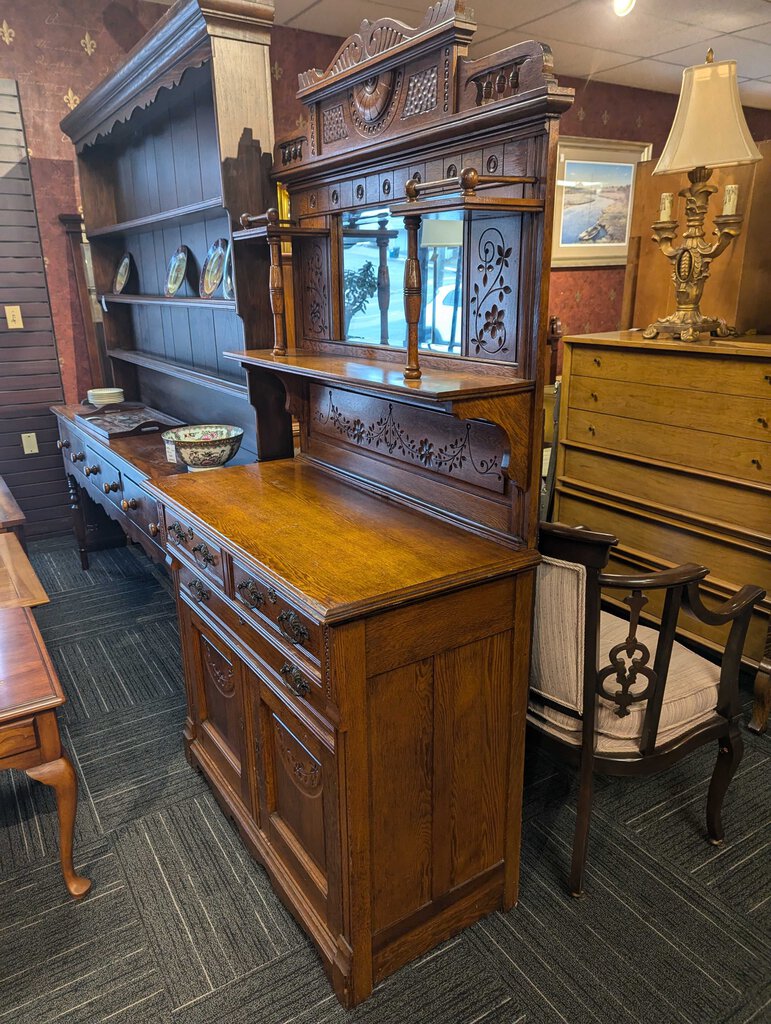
60, 775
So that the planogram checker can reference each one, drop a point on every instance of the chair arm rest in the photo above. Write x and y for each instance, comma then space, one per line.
726, 612
679, 576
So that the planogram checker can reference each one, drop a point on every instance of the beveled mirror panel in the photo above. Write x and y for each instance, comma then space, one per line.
374, 251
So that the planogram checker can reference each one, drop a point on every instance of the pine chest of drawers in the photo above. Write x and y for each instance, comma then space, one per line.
668, 446
356, 680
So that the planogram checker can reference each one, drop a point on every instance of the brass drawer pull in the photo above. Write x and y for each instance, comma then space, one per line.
255, 596
110, 487
595, 396
91, 470
757, 463
62, 444
763, 422
592, 429
291, 628
207, 558
199, 590
597, 361
179, 533
293, 679
154, 529
78, 456
131, 503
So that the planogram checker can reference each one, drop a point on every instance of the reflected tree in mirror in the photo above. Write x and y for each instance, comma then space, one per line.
374, 252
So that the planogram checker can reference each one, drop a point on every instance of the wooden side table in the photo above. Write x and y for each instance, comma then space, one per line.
30, 692
19, 585
12, 519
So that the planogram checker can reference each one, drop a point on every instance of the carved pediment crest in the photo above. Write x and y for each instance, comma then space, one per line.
378, 40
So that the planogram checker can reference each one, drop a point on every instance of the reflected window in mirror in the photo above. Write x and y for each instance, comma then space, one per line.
374, 250
440, 250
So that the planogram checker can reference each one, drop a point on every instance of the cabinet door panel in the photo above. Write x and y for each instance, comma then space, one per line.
217, 685
297, 779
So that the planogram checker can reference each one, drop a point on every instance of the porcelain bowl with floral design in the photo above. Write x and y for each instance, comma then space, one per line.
203, 445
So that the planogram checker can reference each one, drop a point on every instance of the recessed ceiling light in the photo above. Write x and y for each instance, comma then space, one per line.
623, 7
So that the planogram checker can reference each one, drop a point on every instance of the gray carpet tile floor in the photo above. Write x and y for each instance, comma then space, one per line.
182, 926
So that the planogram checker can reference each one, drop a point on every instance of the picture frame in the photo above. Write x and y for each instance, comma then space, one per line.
593, 201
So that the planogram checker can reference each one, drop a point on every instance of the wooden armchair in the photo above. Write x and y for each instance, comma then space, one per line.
602, 700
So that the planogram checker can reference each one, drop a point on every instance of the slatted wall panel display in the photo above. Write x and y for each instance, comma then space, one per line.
29, 368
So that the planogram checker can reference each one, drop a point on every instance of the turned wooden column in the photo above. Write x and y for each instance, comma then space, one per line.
412, 297
276, 286
383, 278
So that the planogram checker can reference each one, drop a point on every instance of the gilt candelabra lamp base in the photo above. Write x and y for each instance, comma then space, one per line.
691, 260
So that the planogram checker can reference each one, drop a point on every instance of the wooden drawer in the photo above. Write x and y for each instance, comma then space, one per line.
736, 457
194, 548
102, 474
676, 406
18, 737
732, 375
267, 606
712, 502
73, 448
140, 508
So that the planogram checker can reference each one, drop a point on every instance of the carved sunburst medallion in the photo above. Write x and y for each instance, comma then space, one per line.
373, 102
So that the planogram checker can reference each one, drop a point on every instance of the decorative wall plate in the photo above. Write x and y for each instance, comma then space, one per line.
228, 289
213, 268
176, 271
123, 272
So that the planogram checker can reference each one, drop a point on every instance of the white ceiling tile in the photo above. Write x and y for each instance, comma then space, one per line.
339, 17
756, 94
645, 74
753, 60
717, 15
497, 39
583, 61
761, 33
592, 23
288, 9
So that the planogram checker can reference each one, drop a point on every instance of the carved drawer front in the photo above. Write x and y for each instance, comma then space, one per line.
734, 375
17, 737
73, 448
140, 508
297, 781
737, 457
192, 547
217, 689
268, 606
102, 476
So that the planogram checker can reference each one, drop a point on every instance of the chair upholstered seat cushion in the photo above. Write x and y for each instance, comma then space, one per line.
690, 696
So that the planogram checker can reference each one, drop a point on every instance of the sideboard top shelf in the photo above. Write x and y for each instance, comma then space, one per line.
435, 386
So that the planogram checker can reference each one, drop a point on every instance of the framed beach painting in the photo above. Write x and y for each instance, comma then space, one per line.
593, 201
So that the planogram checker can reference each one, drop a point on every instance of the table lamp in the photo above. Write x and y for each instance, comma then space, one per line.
709, 131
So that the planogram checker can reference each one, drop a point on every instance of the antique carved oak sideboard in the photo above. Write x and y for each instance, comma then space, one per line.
356, 616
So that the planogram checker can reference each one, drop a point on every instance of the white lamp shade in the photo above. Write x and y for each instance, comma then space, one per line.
709, 129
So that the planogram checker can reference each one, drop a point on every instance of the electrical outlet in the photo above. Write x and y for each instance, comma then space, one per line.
29, 444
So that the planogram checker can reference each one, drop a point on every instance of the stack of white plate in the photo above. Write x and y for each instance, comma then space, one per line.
105, 396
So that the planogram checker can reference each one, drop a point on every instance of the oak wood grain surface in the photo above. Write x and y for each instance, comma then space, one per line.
28, 682
327, 542
10, 513
19, 585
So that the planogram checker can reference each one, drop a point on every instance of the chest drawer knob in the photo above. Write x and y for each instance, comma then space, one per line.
110, 487
595, 396
756, 463
154, 529
294, 680
91, 470
179, 533
592, 429
207, 558
250, 593
597, 361
78, 456
62, 444
763, 422
131, 503
199, 590
291, 628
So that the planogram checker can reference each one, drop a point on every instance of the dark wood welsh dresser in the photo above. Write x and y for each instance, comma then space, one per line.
356, 606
